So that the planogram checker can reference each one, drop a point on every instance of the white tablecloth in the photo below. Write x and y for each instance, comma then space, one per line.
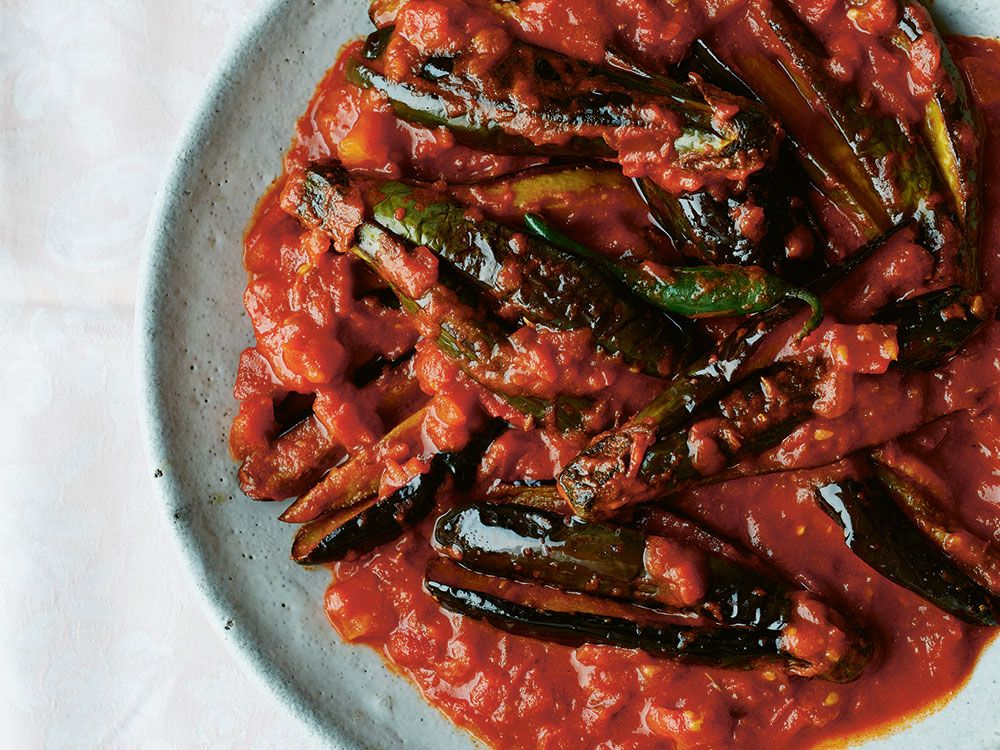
102, 644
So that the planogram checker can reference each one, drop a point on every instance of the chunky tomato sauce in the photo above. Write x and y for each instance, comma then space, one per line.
314, 322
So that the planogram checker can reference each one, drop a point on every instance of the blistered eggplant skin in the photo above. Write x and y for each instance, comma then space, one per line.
601, 479
879, 533
467, 338
358, 530
932, 327
978, 557
732, 648
370, 524
548, 614
534, 545
553, 288
490, 114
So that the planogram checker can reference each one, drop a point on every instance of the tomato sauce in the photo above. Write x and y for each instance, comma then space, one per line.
314, 322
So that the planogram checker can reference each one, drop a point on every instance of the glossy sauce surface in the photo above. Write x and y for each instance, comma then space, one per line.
314, 323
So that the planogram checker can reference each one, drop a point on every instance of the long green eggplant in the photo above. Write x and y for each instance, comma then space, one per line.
533, 545
934, 325
693, 291
543, 283
482, 353
582, 109
879, 533
863, 161
867, 164
318, 195
574, 619
952, 128
376, 521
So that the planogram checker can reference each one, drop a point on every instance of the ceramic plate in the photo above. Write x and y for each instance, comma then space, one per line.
190, 330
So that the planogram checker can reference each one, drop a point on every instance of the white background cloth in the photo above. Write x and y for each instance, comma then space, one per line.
102, 642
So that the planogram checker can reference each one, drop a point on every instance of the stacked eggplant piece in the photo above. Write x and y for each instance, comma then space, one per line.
595, 556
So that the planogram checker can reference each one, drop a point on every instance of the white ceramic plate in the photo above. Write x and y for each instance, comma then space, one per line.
190, 330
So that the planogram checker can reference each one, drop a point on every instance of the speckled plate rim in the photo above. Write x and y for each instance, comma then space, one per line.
168, 205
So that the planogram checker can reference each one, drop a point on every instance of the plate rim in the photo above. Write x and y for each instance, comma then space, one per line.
167, 203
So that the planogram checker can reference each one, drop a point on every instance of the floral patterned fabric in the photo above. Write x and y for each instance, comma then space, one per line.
102, 642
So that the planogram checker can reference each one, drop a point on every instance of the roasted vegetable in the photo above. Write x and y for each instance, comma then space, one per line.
768, 223
934, 325
364, 527
543, 283
714, 137
483, 353
297, 459
952, 129
862, 161
649, 456
574, 619
532, 545
602, 477
879, 533
350, 483
464, 464
979, 558
693, 291
702, 227
563, 189
328, 199
293, 462
374, 522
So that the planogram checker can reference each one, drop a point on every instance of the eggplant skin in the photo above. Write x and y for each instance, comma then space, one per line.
375, 522
733, 648
933, 326
555, 288
879, 533
490, 112
529, 544
463, 464
538, 546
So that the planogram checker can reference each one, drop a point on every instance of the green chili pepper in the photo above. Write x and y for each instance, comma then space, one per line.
694, 291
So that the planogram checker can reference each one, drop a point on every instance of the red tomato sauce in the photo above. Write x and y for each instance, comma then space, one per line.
313, 323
